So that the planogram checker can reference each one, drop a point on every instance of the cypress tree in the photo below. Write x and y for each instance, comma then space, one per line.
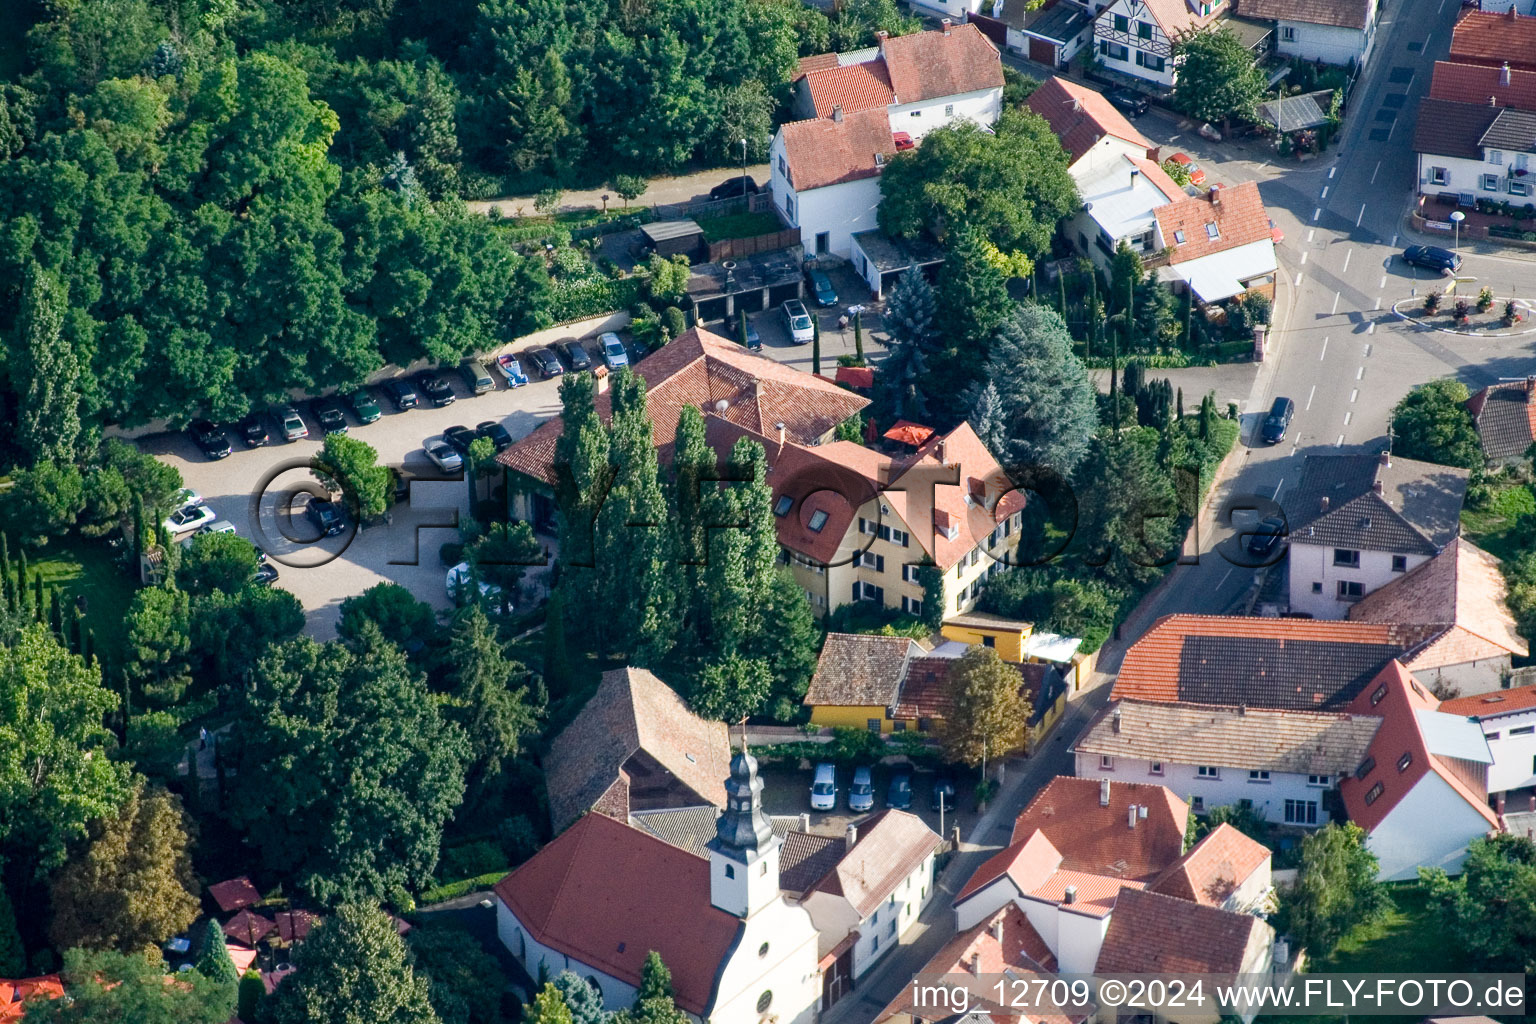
213, 959
23, 604
858, 337
1181, 405
251, 992
13, 956
56, 614
741, 330
6, 599
816, 345
557, 664
40, 606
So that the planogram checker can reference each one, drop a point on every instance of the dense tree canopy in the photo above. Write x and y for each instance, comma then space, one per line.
1044, 405
108, 987
353, 969
1489, 911
1219, 79
1432, 423
1335, 890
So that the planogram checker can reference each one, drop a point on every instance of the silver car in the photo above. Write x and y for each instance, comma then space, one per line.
293, 424
443, 455
613, 350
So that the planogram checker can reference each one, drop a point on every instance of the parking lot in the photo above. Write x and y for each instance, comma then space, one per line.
787, 791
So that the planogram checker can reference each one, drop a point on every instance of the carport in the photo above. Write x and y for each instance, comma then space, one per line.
880, 259
750, 284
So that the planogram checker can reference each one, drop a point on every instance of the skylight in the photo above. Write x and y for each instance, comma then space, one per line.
1212, 232
818, 520
781, 507
1178, 238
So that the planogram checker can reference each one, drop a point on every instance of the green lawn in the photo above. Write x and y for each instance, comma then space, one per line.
739, 225
83, 567
1502, 526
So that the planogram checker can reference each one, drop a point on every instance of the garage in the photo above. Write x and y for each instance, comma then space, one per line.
749, 284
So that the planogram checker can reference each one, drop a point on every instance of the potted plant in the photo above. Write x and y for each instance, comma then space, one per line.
1511, 313
1431, 303
1485, 300
1461, 311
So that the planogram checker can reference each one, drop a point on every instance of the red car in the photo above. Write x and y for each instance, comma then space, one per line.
1196, 175
1275, 233
903, 140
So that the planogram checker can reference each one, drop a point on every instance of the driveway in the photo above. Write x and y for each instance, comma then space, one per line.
786, 791
683, 188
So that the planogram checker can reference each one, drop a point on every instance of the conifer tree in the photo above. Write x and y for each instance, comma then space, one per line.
213, 958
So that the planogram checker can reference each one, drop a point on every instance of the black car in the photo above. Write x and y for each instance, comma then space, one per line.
899, 795
437, 390
253, 430
1432, 257
210, 439
546, 362
266, 575
329, 517
734, 188
497, 433
1267, 533
332, 418
943, 792
401, 394
459, 437
576, 354
1130, 104
1278, 421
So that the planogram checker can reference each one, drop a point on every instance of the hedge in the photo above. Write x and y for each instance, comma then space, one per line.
453, 890
595, 296
1175, 360
1228, 351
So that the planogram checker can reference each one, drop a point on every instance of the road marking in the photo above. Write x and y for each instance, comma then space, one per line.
1354, 393
1331, 170
1335, 303
1371, 329
1310, 233
1324, 351
1360, 373
1375, 307
1303, 259
1362, 215
1298, 279
1316, 214
1325, 193
1441, 7
1347, 417
1346, 259
1224, 578
1394, 240
1309, 396
1375, 172
1340, 442
1367, 351
1383, 281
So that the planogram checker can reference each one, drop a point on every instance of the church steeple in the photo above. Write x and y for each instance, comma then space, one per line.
744, 855
743, 826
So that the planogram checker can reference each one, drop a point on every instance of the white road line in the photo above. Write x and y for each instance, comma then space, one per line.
1298, 279
1394, 240
1367, 351
1335, 303
1346, 259
1441, 7
1303, 259
1225, 578
1316, 214
1375, 307
1311, 233
1324, 351
1372, 328
1354, 393
1340, 442
1360, 373
1375, 172
1383, 281
1362, 215
1310, 394
1331, 171
1347, 417
1325, 193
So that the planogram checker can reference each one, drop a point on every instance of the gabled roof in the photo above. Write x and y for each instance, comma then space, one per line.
1497, 704
1376, 503
1449, 128
1248, 739
853, 87
1462, 587
1024, 863
948, 62
1483, 37
1081, 116
1353, 14
606, 894
824, 151
1175, 17
859, 670
952, 479
1152, 933
703, 369
632, 711
1214, 868
1471, 83
888, 847
1505, 414
1512, 129
1236, 212
234, 893
1100, 840
1415, 740
926, 690
1261, 662
15, 994
806, 857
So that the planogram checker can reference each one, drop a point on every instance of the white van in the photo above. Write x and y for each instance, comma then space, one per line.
824, 788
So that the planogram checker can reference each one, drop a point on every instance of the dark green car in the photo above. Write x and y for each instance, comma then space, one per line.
363, 406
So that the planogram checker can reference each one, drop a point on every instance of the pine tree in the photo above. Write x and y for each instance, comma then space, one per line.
987, 420
213, 958
355, 968
655, 979
1046, 402
491, 700
548, 1007
584, 1002
13, 955
909, 319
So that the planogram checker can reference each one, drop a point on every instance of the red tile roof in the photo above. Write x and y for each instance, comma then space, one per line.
1471, 83
234, 894
888, 847
816, 62
922, 489
1026, 864
1093, 895
826, 151
1237, 211
1156, 934
1491, 705
248, 927
1153, 172
1482, 37
1080, 117
1354, 14
1214, 868
856, 376
1100, 840
853, 87
15, 994
1397, 698
949, 62
606, 894
703, 369
1461, 587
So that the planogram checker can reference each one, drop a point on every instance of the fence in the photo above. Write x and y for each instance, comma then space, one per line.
734, 248
758, 202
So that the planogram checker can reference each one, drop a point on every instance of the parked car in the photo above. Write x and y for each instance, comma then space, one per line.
330, 415
217, 526
1209, 132
734, 187
1267, 533
754, 340
898, 795
943, 792
546, 362
292, 423
442, 455
798, 321
498, 434
1432, 257
1129, 103
188, 518
438, 391
458, 581
1278, 421
363, 406
327, 516
253, 430
1275, 234
903, 141
576, 354
459, 438
266, 574
508, 366
401, 393
824, 788
210, 439
821, 287
612, 348
861, 795
477, 377
1196, 174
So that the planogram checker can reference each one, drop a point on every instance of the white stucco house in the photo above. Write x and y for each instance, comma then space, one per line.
1476, 150
858, 109
1094, 134
1421, 794
1357, 522
1219, 245
1136, 37
1508, 721
1280, 762
1340, 32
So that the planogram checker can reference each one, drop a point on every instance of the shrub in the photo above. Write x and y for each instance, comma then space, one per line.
1431, 303
1485, 300
1462, 310
451, 553
471, 859
674, 320
1511, 313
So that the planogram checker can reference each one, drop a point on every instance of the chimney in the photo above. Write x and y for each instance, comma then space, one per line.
1503, 72
780, 426
1379, 487
1134, 175
851, 837
1070, 895
1242, 709
837, 112
1324, 503
881, 36
1115, 721
805, 821
947, 23
940, 451
1215, 194
1530, 382
997, 930
1386, 459
1103, 792
1514, 15
1131, 816
975, 962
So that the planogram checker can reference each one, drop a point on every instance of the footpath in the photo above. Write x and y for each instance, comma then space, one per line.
658, 192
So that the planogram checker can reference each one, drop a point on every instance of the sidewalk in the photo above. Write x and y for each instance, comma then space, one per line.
660, 191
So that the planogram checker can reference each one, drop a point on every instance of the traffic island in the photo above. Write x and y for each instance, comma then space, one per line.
1501, 318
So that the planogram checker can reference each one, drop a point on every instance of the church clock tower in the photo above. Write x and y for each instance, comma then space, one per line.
744, 855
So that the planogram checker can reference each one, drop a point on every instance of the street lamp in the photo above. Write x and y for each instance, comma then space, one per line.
1456, 218
743, 168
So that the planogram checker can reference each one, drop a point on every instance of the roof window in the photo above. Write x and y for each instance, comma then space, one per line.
1212, 232
1366, 767
818, 520
781, 507
1379, 695
1374, 793
1404, 761
1178, 238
